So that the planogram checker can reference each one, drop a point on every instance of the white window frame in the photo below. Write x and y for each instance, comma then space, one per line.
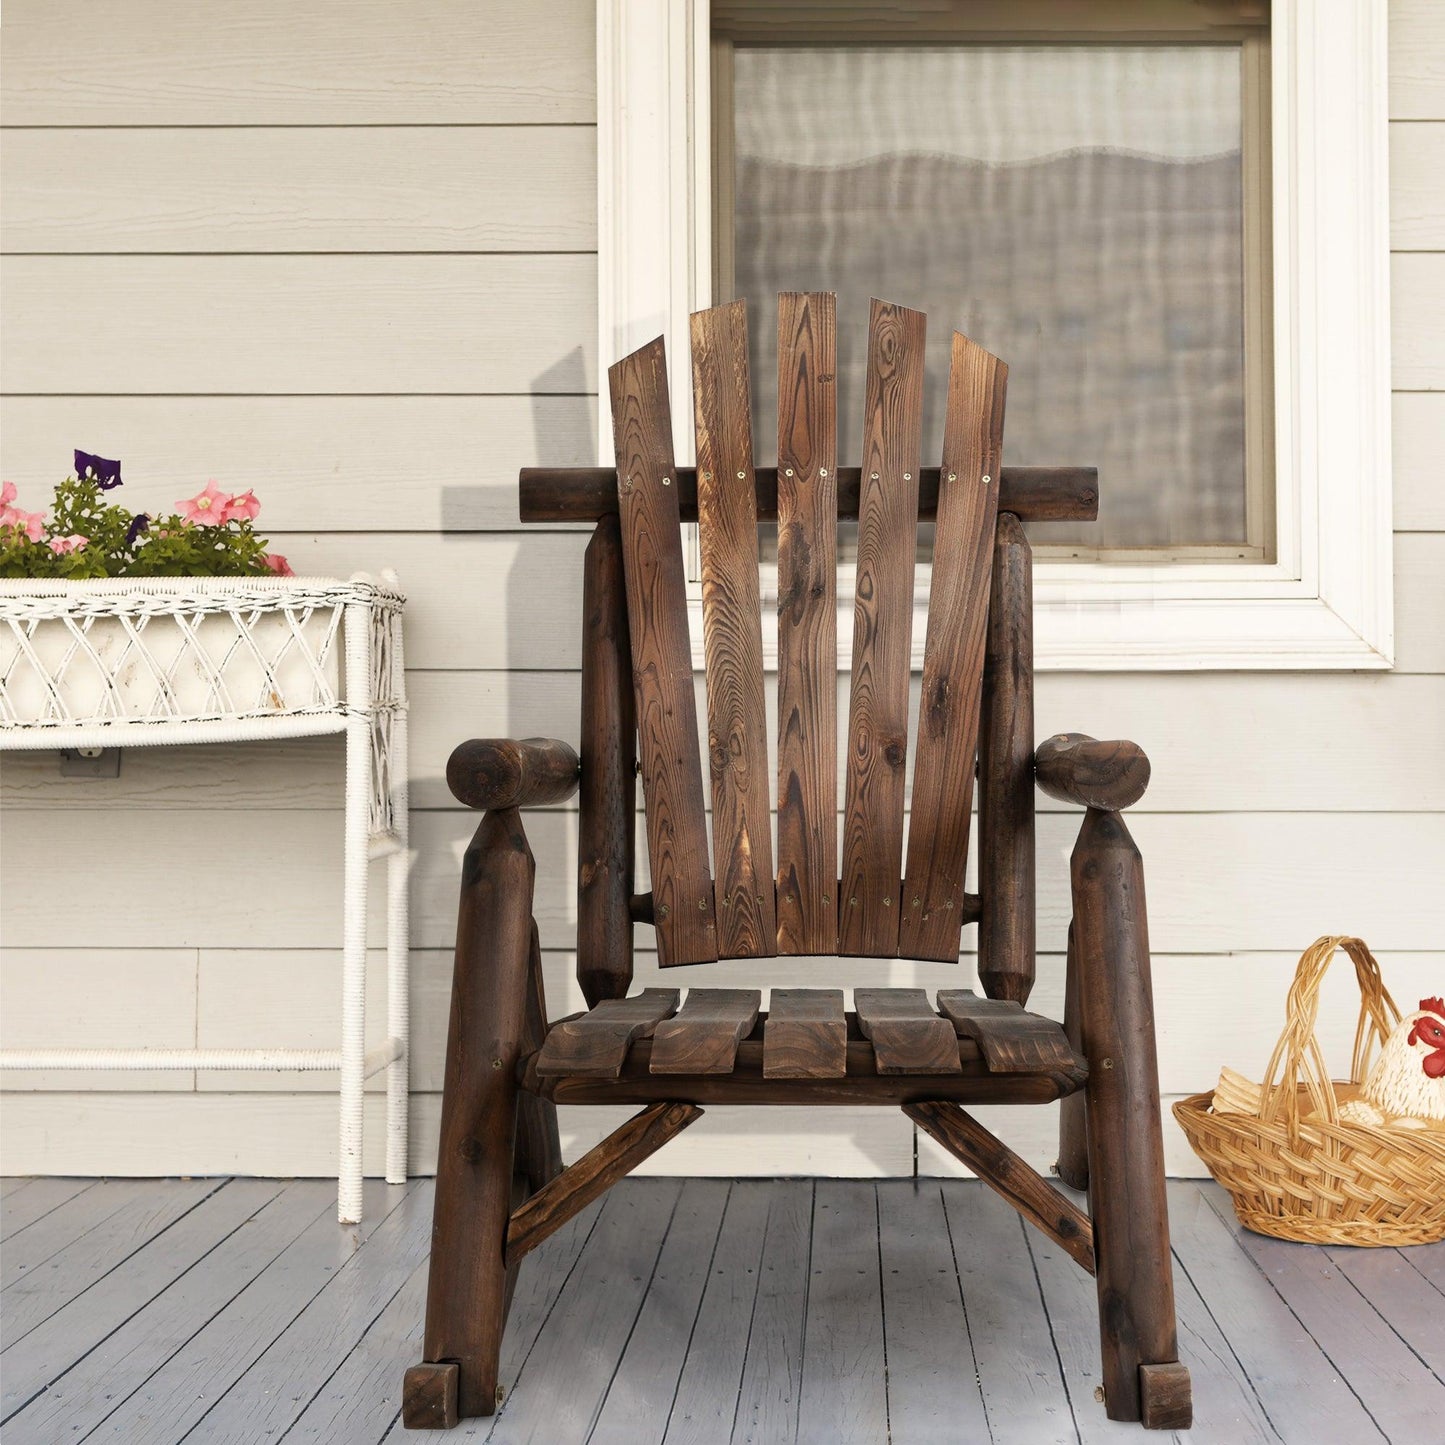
1326, 602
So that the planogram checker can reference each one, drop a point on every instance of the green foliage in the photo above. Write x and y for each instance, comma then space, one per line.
168, 547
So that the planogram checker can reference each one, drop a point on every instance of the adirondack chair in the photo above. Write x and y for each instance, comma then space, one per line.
501, 1188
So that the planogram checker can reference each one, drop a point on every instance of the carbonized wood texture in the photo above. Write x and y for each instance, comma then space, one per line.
882, 633
594, 1174
1009, 1177
732, 634
662, 658
807, 623
1011, 1040
594, 1044
948, 716
806, 1035
907, 1036
703, 1037
1006, 927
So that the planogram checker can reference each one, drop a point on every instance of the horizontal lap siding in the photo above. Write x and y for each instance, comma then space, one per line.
364, 239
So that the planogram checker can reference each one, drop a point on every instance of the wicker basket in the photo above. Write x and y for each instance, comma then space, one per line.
1294, 1170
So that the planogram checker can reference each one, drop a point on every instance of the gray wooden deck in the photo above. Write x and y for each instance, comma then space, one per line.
684, 1312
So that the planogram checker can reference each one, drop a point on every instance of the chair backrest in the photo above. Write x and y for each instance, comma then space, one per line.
747, 904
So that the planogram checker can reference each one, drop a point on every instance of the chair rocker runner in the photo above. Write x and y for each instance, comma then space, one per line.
501, 1187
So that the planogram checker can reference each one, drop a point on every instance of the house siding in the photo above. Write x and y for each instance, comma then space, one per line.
347, 257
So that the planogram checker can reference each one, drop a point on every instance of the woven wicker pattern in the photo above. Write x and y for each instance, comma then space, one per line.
1294, 1170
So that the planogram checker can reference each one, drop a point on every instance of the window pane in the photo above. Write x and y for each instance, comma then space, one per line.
1077, 209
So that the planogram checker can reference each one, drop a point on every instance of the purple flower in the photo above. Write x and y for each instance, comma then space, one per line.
138, 524
106, 473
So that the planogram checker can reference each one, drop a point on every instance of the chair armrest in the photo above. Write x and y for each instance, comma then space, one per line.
1078, 769
507, 773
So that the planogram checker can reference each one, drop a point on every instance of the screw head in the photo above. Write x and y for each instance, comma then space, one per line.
888, 903
667, 481
918, 903
702, 905
662, 910
787, 471
742, 476
822, 471
987, 480
907, 476
852, 903
953, 476
496, 1063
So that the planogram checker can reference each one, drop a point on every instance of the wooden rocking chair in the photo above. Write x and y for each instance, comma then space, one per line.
501, 1188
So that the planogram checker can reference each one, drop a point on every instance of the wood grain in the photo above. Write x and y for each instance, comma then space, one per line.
662, 658
737, 726
806, 1035
948, 716
807, 623
908, 1037
512, 772
594, 1174
1012, 1041
594, 1044
703, 1037
607, 822
1006, 927
1078, 769
882, 633
1009, 1176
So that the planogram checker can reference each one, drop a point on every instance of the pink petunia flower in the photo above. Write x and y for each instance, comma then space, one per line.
7, 494
31, 523
278, 564
207, 508
243, 507
73, 543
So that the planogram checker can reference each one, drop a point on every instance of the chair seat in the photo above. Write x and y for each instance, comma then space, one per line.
893, 1047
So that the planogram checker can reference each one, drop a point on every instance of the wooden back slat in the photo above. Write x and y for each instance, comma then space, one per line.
807, 623
882, 633
732, 634
953, 656
662, 659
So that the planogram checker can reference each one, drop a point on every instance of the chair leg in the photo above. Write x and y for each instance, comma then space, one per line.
468, 1288
539, 1146
1073, 1165
1125, 1136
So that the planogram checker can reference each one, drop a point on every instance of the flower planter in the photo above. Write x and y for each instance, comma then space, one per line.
82, 662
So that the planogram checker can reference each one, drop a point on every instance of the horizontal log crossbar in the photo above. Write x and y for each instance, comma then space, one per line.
586, 494
1008, 1175
594, 1174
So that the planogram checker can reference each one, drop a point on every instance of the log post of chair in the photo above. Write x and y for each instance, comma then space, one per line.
1073, 1165
1125, 1137
467, 1288
1006, 773
539, 1144
607, 822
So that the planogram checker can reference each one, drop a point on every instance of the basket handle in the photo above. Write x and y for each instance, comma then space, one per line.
1297, 1058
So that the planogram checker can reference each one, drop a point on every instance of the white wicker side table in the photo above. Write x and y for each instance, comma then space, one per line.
140, 662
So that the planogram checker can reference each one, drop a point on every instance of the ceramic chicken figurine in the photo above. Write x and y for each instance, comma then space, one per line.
1406, 1087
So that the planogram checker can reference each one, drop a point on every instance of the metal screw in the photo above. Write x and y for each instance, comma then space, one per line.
702, 905
907, 476
1106, 1063
987, 480
496, 1063
723, 903
852, 903
788, 471
501, 1393
888, 903
707, 476
1099, 1393
662, 910
822, 471
827, 898
742, 476
667, 481
917, 902
760, 897
872, 476
953, 476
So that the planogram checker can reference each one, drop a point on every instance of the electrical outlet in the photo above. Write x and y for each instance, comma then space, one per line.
90, 762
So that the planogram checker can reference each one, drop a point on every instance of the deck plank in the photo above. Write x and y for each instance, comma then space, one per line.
13, 1183
1428, 1260
1391, 1381
237, 1379
101, 1382
640, 1397
587, 1332
933, 1388
1303, 1394
63, 1226
1403, 1297
844, 1395
107, 1237
705, 1405
768, 1401
28, 1365
1023, 1388
1225, 1405
21, 1210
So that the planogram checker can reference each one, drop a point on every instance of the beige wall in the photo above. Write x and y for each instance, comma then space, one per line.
343, 254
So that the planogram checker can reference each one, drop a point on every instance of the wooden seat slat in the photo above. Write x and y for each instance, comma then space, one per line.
593, 1045
732, 634
877, 737
662, 658
807, 623
703, 1036
953, 656
1011, 1040
908, 1037
806, 1034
